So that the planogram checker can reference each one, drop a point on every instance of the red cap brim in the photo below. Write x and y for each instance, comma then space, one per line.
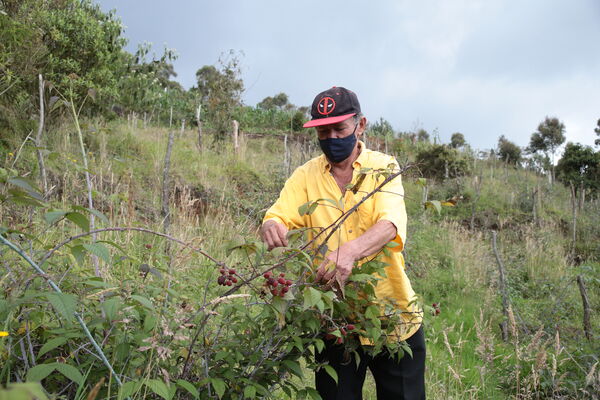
327, 121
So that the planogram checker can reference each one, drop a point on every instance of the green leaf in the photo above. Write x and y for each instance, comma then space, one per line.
434, 204
70, 372
98, 214
294, 367
159, 388
111, 308
303, 209
28, 186
78, 252
219, 385
314, 394
79, 219
312, 208
311, 297
51, 345
189, 387
23, 391
249, 392
143, 301
40, 371
331, 372
421, 182
52, 216
99, 250
128, 389
63, 303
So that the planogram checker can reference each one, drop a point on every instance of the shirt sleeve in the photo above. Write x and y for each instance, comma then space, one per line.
292, 196
389, 206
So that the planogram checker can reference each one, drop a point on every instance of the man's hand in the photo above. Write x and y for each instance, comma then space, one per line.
274, 234
338, 264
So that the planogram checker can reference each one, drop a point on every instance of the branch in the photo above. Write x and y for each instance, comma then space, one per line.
123, 229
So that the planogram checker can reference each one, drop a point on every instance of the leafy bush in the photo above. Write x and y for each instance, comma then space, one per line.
441, 162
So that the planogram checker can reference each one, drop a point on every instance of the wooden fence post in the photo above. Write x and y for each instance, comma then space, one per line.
236, 144
502, 284
38, 139
587, 326
199, 122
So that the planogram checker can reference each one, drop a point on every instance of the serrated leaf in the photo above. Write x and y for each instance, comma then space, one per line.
52, 216
143, 301
40, 371
63, 303
189, 387
99, 250
219, 385
28, 186
111, 308
331, 372
159, 388
249, 392
70, 372
128, 389
294, 367
311, 297
79, 219
51, 345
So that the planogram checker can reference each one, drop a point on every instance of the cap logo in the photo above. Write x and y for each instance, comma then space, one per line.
326, 106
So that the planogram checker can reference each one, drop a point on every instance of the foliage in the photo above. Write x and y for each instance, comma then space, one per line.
549, 136
597, 130
279, 101
508, 151
69, 42
220, 90
457, 140
441, 162
579, 166
422, 135
381, 128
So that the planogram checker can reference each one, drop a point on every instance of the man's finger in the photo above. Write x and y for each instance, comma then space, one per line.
281, 233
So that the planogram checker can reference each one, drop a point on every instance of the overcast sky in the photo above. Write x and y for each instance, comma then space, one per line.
484, 68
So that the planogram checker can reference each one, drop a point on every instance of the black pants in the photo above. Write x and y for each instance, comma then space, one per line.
395, 380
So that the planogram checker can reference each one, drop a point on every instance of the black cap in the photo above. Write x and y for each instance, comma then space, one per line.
332, 106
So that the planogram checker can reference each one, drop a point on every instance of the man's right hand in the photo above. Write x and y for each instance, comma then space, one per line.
274, 234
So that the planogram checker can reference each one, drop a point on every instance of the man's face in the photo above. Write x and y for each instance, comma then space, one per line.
340, 130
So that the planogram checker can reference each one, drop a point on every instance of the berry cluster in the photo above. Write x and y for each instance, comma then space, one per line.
278, 286
227, 277
344, 330
436, 308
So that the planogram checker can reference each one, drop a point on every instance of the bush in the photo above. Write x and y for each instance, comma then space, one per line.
441, 162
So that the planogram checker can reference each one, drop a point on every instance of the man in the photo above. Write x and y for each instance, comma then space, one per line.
337, 118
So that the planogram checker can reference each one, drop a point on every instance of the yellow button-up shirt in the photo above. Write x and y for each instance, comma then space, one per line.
313, 181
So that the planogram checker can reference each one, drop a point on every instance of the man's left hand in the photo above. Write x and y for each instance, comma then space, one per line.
337, 265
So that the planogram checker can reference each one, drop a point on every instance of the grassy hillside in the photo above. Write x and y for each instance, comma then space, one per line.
150, 300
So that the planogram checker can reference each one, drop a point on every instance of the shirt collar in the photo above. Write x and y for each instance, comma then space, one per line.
356, 164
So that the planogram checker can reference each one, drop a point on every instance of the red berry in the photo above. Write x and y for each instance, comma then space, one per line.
221, 280
437, 311
343, 331
350, 327
274, 283
228, 283
267, 275
271, 281
434, 305
339, 340
234, 280
329, 336
281, 280
284, 289
274, 292
222, 271
232, 271
281, 275
148, 246
288, 282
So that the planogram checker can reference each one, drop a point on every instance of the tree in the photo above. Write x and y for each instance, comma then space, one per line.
441, 162
381, 128
508, 151
221, 90
278, 101
457, 140
422, 135
549, 136
579, 166
597, 130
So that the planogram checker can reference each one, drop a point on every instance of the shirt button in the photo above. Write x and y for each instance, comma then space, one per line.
350, 231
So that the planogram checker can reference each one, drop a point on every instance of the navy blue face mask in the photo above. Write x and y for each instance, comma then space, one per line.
338, 149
